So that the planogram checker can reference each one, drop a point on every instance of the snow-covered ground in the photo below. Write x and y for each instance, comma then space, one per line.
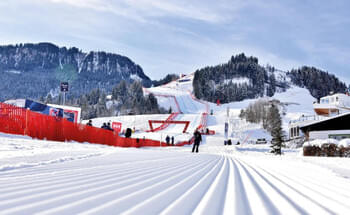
42, 177
45, 177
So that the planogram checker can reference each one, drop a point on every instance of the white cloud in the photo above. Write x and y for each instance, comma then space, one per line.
146, 10
151, 8
187, 33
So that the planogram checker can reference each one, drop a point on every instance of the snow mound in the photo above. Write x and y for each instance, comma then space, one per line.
321, 142
344, 143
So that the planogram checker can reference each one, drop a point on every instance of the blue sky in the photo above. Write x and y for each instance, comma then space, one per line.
180, 36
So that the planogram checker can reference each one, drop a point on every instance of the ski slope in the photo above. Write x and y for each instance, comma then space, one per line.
219, 180
44, 177
184, 98
177, 95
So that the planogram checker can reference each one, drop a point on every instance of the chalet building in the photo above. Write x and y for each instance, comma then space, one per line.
332, 113
337, 127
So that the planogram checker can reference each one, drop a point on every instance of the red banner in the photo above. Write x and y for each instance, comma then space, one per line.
117, 127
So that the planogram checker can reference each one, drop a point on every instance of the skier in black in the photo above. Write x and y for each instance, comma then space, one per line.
167, 139
172, 140
197, 139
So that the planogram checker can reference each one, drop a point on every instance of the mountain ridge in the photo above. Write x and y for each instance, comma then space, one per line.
22, 64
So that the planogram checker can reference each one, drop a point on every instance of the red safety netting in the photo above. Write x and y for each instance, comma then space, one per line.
15, 120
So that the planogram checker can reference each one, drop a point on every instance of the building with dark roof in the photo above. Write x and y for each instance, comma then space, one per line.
337, 127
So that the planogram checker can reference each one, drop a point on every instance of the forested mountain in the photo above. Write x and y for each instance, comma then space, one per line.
167, 79
243, 78
35, 70
318, 82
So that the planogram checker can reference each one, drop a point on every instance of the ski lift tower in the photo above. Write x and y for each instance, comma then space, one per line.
64, 89
226, 123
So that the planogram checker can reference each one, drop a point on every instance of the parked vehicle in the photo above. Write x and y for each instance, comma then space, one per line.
261, 141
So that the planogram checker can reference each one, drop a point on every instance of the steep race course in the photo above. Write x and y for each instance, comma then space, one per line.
196, 111
163, 182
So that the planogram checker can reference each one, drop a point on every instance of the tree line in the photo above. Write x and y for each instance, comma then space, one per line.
126, 98
318, 82
167, 79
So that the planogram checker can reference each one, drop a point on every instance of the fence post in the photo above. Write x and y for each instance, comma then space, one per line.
27, 116
161, 137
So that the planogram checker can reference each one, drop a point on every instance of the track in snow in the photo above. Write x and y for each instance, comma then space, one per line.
160, 182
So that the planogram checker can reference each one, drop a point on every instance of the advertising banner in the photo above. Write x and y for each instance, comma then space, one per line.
117, 126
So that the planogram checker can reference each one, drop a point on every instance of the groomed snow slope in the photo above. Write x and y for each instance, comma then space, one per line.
43, 177
171, 180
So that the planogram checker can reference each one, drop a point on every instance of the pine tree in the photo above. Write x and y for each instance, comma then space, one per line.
60, 99
101, 108
120, 92
153, 102
276, 130
48, 99
271, 89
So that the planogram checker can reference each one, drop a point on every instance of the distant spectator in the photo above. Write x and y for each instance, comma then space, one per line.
128, 132
109, 126
89, 123
104, 125
172, 140
167, 139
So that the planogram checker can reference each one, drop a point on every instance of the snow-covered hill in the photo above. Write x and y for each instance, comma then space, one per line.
178, 95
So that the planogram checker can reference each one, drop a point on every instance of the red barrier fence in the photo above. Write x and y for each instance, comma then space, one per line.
190, 142
186, 124
15, 120
165, 123
203, 124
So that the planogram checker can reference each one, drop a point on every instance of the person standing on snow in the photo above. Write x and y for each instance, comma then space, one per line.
167, 139
197, 140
